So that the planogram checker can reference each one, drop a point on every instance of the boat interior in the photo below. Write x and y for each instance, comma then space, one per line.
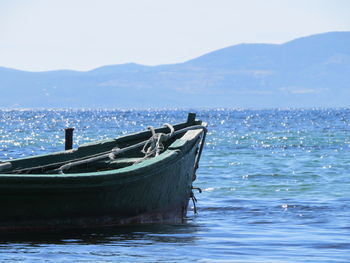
103, 155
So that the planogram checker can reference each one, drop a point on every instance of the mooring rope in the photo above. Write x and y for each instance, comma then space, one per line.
155, 144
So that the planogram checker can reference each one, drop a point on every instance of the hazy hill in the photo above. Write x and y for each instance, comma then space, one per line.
312, 71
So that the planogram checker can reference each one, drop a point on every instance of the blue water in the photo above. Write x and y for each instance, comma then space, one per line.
276, 188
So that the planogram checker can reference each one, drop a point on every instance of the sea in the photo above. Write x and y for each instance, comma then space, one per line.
275, 187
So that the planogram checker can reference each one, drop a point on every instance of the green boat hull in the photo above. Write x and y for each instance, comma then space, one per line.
151, 191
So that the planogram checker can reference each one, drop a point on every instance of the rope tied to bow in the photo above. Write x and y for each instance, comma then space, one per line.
154, 145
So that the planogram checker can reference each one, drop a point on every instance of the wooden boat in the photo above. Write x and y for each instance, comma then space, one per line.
144, 177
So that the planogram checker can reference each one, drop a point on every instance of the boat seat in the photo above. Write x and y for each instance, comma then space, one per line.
117, 163
126, 160
5, 166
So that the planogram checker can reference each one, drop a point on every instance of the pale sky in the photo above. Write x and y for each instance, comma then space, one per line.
40, 35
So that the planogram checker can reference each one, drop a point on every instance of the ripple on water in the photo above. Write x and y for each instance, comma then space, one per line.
276, 187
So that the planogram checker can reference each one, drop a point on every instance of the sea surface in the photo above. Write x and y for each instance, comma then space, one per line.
276, 188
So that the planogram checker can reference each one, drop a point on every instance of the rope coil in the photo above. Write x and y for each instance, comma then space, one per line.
154, 145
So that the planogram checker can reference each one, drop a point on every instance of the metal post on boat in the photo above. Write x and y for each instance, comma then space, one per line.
191, 118
69, 138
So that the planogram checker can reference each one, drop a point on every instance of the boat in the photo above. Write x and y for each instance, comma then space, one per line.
145, 177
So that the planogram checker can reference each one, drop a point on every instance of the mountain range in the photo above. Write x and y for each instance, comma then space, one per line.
312, 71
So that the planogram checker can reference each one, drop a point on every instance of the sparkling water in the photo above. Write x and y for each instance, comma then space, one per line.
276, 188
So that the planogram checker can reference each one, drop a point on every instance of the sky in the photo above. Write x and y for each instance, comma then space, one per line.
41, 35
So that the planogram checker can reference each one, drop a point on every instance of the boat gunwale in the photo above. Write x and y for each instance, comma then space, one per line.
102, 178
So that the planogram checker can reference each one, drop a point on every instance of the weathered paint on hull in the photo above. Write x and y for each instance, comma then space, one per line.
160, 194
